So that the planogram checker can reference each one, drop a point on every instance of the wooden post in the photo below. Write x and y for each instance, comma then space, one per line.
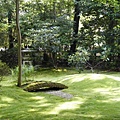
19, 44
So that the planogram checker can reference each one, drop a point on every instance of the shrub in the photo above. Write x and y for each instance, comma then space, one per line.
26, 71
10, 57
79, 59
4, 70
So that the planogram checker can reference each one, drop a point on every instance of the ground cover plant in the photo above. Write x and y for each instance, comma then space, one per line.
95, 97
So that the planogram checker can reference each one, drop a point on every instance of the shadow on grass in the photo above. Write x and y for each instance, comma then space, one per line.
96, 97
17, 104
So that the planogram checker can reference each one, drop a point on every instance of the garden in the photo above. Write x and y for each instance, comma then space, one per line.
59, 60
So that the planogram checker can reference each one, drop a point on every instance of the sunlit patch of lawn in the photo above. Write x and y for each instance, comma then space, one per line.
95, 97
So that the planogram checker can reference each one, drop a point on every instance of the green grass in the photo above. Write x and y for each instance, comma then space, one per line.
96, 97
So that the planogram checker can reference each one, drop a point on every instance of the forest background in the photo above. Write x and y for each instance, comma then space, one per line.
82, 33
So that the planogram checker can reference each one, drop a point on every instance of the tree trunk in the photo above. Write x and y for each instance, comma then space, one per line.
54, 11
19, 44
10, 29
111, 37
111, 24
75, 26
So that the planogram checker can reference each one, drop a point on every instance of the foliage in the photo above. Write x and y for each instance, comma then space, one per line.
27, 71
10, 57
54, 38
4, 70
7, 22
99, 32
47, 25
79, 59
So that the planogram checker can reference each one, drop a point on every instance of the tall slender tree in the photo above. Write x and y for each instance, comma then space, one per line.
19, 44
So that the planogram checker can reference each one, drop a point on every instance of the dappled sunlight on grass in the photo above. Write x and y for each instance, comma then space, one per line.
103, 91
32, 110
7, 82
108, 95
109, 91
37, 97
73, 78
113, 77
71, 105
40, 101
94, 116
3, 105
7, 99
60, 70
20, 102
95, 97
103, 76
90, 76
95, 76
117, 99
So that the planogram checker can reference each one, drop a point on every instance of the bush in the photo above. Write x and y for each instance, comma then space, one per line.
4, 70
10, 57
26, 71
79, 59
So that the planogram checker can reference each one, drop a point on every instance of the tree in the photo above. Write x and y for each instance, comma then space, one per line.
7, 23
43, 23
39, 24
10, 29
75, 26
10, 6
100, 31
19, 44
53, 39
3, 25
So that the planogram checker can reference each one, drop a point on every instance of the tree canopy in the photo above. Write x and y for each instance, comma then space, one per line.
59, 27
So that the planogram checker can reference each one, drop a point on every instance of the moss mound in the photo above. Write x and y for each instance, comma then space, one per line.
43, 86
